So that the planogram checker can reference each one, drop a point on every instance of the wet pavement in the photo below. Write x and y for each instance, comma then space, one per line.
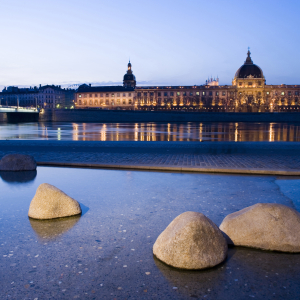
245, 157
107, 252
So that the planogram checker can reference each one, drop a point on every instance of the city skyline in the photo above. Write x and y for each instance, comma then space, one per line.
169, 43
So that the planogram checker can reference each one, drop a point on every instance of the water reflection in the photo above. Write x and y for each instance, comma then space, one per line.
18, 177
49, 230
214, 131
243, 269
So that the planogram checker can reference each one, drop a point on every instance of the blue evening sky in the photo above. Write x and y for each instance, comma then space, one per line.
171, 42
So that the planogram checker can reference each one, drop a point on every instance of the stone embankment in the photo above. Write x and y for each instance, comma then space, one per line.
119, 116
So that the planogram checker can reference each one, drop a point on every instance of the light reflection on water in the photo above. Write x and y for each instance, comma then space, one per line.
214, 131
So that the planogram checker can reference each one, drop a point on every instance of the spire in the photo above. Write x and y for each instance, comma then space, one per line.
248, 59
129, 68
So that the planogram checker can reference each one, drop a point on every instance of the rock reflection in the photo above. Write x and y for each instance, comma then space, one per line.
50, 230
18, 177
193, 283
249, 271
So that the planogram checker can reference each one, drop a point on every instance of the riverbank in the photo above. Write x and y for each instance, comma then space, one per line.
119, 116
276, 158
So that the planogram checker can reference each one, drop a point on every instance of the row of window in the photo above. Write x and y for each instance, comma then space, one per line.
250, 83
290, 93
172, 94
102, 95
113, 102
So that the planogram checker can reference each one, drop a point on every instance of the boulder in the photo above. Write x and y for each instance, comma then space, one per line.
265, 226
50, 202
191, 241
17, 162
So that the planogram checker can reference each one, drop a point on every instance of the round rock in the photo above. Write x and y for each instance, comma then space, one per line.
50, 202
191, 241
17, 162
265, 226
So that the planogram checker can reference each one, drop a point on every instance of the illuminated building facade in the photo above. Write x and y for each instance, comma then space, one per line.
248, 93
47, 97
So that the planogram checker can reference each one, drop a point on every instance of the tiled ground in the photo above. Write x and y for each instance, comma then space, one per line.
242, 156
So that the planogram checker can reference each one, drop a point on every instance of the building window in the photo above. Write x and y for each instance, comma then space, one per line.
124, 101
112, 102
231, 93
240, 84
79, 102
124, 95
91, 95
118, 101
129, 101
203, 93
159, 94
112, 94
290, 93
118, 94
268, 93
197, 93
172, 94
184, 93
96, 95
107, 102
296, 93
79, 96
178, 93
165, 94
91, 102
259, 83
107, 95
217, 93
282, 93
210, 93
129, 94
151, 94
223, 93
101, 95
85, 95
249, 83
96, 102
191, 93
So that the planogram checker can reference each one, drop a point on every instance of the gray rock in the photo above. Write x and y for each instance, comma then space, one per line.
17, 162
265, 226
191, 241
50, 202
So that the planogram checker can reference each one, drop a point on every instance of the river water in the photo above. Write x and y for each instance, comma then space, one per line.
214, 131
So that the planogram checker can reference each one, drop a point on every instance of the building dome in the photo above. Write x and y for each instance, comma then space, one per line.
129, 78
249, 69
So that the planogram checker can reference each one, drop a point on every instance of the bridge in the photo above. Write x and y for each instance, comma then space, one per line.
20, 114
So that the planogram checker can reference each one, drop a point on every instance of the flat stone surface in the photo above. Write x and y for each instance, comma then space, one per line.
107, 252
188, 156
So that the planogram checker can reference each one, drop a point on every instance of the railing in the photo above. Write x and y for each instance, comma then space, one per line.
18, 109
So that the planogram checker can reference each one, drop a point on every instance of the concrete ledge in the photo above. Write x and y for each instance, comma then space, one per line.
171, 168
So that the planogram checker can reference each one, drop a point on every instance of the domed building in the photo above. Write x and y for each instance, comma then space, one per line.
129, 78
249, 73
250, 82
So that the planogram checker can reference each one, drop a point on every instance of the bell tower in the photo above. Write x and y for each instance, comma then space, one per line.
129, 79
